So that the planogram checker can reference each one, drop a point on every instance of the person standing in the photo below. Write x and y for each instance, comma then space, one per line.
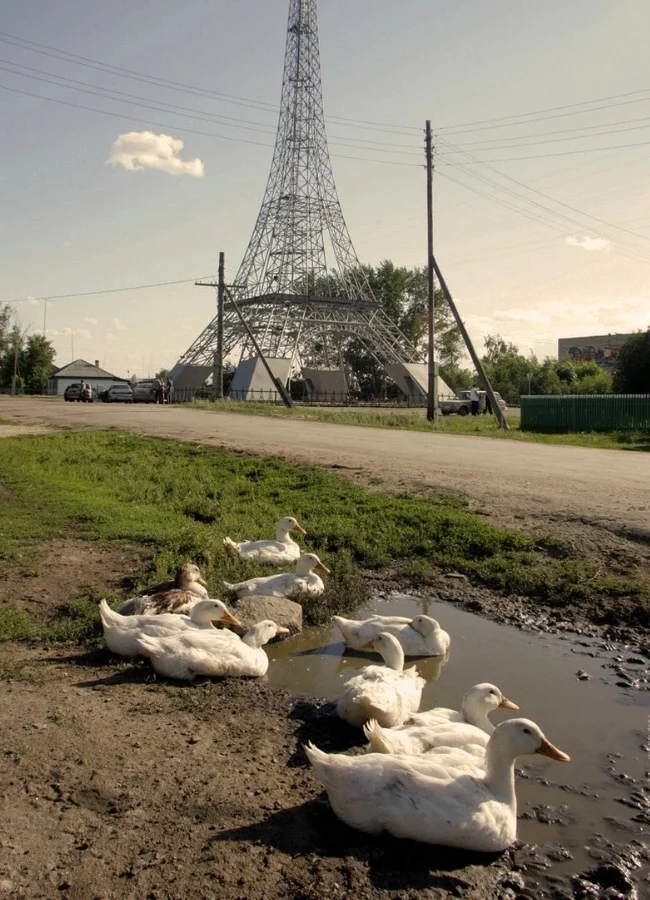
168, 387
474, 397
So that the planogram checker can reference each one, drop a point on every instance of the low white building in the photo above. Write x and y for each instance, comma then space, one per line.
81, 370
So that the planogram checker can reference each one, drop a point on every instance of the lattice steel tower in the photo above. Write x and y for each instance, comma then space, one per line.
297, 310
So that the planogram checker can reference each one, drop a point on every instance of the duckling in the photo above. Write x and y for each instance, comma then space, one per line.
386, 693
430, 802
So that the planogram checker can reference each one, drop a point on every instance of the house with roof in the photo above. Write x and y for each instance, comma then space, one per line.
81, 370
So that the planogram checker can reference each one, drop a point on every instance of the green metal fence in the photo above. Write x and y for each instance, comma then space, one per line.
586, 412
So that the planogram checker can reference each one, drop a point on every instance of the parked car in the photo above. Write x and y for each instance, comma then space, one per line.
146, 391
73, 392
461, 404
118, 393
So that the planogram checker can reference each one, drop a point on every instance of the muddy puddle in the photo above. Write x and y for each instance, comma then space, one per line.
573, 812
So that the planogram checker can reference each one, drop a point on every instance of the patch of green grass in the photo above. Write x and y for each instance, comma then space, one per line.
15, 624
182, 500
481, 426
77, 621
22, 670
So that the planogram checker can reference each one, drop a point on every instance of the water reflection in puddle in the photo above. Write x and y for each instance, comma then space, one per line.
598, 723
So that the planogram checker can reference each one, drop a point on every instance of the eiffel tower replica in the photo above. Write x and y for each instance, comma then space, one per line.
300, 286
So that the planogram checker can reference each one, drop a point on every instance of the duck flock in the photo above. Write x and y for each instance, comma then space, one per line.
440, 776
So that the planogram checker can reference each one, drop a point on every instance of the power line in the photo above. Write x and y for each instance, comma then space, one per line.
536, 143
408, 130
493, 123
66, 56
544, 134
137, 287
175, 109
552, 155
184, 128
553, 199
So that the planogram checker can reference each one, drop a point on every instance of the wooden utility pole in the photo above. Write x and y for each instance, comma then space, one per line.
221, 287
217, 359
496, 409
282, 391
432, 386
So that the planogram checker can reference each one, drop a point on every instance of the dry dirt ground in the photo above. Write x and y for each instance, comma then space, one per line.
114, 785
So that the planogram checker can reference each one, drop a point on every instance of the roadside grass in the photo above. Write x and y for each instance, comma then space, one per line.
483, 426
181, 500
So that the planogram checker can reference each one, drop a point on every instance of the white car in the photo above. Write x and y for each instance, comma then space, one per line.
118, 393
461, 404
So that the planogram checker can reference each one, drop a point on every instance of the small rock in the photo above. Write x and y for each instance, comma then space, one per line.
581, 675
193, 740
251, 610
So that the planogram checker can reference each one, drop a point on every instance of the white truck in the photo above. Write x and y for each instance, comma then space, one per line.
461, 404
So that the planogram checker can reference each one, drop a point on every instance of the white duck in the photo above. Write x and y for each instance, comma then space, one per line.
121, 633
444, 727
291, 584
421, 636
387, 693
199, 652
280, 552
429, 802
177, 596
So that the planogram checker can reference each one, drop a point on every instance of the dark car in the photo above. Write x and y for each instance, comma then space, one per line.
146, 391
118, 393
74, 392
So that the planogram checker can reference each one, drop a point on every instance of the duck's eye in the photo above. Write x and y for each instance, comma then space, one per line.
526, 730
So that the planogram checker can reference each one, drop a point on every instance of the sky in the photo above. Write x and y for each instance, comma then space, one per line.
541, 118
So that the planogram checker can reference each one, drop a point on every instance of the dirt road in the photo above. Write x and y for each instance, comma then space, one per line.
507, 479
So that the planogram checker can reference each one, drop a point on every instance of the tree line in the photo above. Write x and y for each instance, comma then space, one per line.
402, 293
26, 361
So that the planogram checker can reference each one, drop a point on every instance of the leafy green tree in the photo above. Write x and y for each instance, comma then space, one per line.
507, 368
402, 293
162, 374
458, 379
10, 370
36, 362
599, 383
632, 375
560, 376
6, 318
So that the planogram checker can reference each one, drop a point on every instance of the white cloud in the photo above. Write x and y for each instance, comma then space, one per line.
590, 244
66, 332
91, 320
117, 324
136, 151
543, 322
110, 337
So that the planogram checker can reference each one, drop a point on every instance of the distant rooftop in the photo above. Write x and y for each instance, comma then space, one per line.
81, 368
